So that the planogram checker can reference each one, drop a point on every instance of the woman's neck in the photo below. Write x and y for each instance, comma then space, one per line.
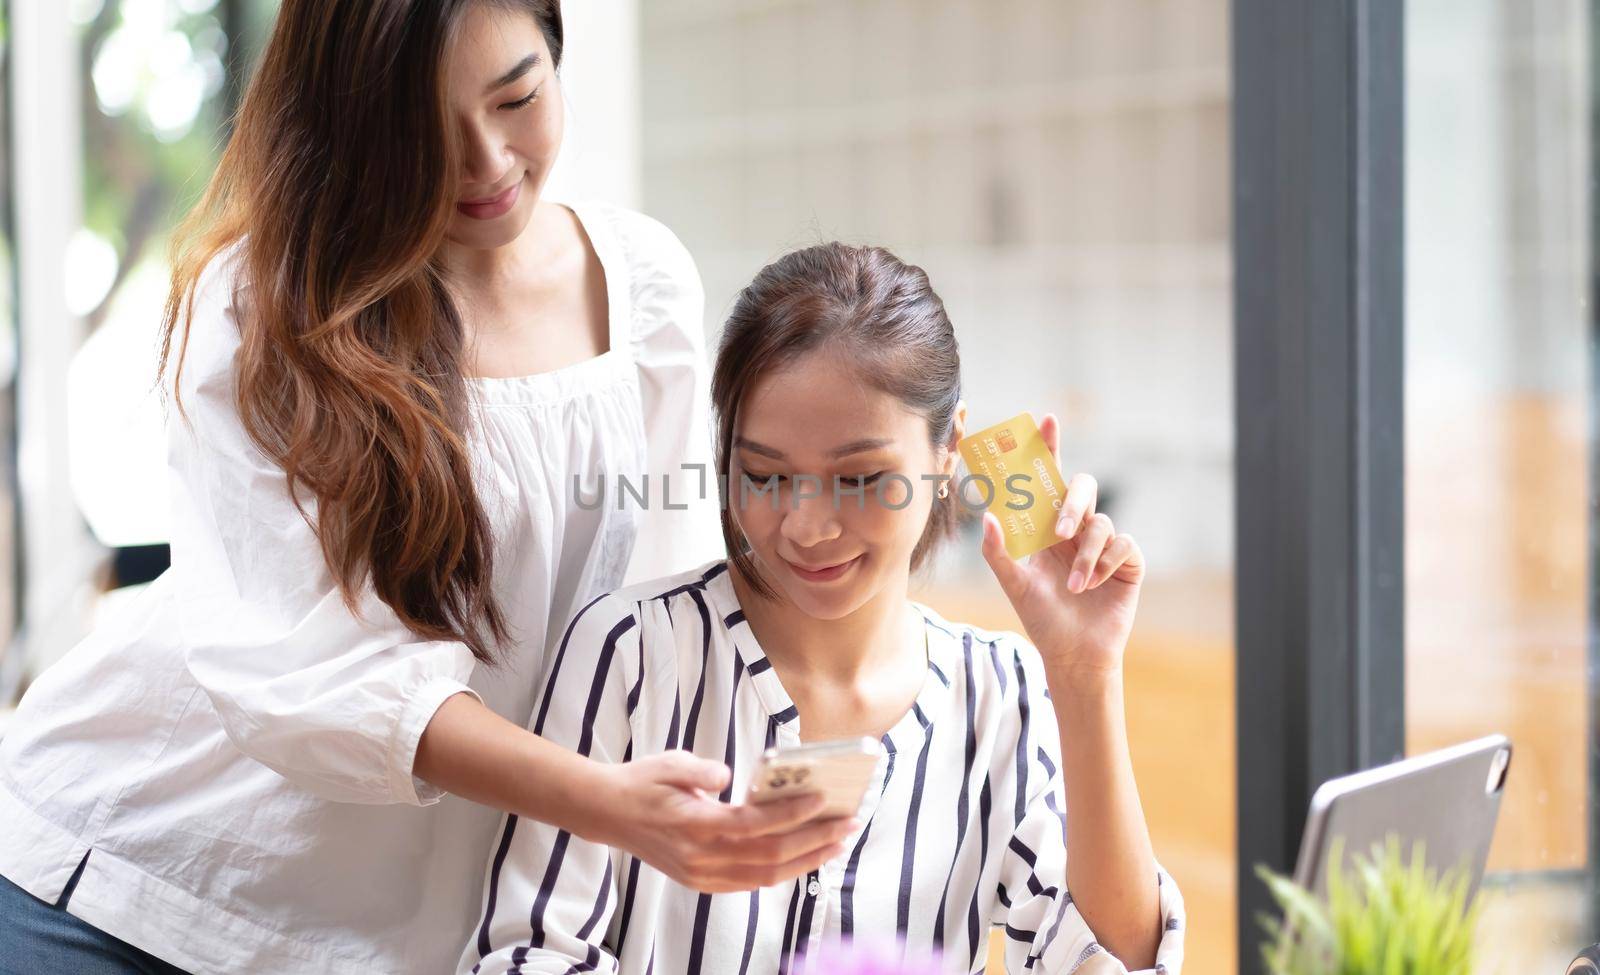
476, 269
872, 640
486, 270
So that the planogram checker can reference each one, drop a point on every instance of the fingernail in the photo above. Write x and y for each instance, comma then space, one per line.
1075, 581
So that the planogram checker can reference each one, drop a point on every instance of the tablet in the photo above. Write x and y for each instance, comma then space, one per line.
1448, 799
1587, 962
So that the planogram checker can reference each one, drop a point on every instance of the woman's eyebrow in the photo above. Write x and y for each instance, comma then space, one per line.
853, 447
522, 67
756, 448
860, 446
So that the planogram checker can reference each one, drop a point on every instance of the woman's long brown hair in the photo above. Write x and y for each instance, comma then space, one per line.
337, 185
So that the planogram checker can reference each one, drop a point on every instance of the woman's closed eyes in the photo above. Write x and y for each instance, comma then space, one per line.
855, 481
861, 480
523, 102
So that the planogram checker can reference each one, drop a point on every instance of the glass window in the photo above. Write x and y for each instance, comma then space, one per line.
1499, 405
1061, 169
163, 80
9, 544
151, 118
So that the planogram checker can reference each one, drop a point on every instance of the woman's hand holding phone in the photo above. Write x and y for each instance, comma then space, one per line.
1076, 599
664, 810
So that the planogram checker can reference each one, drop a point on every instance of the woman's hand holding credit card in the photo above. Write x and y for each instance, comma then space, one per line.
1071, 577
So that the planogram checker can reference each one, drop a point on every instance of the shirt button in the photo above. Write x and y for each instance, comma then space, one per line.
814, 888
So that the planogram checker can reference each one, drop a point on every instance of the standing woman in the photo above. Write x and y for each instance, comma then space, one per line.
390, 359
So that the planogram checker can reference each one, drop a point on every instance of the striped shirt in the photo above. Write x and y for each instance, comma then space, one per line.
963, 825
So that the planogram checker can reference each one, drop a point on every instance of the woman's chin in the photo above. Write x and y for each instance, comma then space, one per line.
829, 601
824, 609
485, 235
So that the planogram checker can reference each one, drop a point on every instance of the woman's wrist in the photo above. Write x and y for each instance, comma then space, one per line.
1079, 682
603, 806
586, 801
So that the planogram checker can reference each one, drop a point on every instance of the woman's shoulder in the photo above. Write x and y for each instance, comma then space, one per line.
668, 589
643, 234
636, 599
207, 333
646, 616
654, 254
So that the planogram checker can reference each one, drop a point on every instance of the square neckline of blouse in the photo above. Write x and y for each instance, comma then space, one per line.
577, 374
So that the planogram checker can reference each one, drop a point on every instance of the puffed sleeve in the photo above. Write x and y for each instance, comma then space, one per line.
1044, 932
681, 528
550, 898
334, 701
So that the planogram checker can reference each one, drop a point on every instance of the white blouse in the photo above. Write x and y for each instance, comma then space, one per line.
233, 753
963, 826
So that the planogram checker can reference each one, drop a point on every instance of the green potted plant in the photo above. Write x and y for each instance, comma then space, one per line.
1382, 916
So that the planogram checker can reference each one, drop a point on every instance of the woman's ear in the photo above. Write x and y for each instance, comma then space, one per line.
958, 430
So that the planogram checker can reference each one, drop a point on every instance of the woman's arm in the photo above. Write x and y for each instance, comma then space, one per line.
331, 699
469, 750
570, 770
1077, 601
550, 894
1111, 866
1053, 923
661, 808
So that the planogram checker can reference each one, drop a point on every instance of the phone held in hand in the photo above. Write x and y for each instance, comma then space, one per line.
840, 770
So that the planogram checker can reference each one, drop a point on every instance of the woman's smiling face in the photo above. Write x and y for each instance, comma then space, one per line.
807, 424
505, 97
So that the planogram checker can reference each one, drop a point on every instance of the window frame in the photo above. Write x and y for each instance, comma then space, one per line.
1318, 242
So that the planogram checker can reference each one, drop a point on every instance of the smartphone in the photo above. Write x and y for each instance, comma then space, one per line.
840, 770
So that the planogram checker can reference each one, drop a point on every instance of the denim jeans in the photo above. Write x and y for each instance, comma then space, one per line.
38, 938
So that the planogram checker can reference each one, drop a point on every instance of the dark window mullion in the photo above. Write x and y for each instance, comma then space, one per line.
1318, 239
1592, 797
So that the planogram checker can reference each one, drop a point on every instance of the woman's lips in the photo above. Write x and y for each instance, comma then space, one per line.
826, 574
494, 206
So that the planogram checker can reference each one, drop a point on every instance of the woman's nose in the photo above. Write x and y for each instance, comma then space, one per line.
485, 158
810, 518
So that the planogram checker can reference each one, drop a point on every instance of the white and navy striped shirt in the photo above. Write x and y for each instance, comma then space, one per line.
963, 825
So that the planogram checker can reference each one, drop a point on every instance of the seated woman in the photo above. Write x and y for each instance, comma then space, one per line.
837, 382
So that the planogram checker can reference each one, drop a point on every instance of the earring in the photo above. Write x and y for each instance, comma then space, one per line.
944, 491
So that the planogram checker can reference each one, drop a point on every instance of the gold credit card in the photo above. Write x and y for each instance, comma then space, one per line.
1024, 486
